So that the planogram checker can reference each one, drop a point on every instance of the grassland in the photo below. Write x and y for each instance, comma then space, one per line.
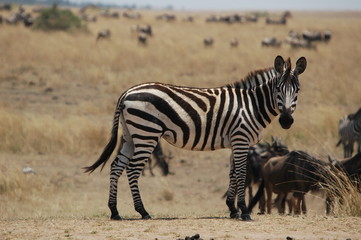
58, 91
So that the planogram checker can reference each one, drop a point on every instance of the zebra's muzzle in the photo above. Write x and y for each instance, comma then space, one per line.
286, 120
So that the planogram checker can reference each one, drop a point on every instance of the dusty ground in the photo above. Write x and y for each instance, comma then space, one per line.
263, 227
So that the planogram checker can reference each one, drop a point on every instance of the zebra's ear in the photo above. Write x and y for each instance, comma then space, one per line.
279, 63
301, 65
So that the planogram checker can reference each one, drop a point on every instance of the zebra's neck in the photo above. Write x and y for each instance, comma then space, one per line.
263, 102
254, 79
259, 87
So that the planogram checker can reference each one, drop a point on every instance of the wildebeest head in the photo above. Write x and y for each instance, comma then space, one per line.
287, 87
350, 166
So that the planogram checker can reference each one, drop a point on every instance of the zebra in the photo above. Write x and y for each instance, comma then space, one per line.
232, 116
350, 132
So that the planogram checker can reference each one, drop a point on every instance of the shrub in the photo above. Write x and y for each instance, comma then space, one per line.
58, 19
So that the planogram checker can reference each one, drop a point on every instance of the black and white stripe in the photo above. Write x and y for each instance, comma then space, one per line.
232, 116
350, 132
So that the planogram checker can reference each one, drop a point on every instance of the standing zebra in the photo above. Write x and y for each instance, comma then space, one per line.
232, 116
350, 132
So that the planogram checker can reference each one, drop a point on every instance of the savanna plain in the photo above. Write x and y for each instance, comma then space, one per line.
58, 91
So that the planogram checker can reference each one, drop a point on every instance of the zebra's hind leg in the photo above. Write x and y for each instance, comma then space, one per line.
141, 155
133, 172
119, 164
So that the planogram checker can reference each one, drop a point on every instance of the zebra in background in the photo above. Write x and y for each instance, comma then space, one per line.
232, 116
350, 132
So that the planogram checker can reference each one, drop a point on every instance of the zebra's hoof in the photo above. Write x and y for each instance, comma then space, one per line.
246, 217
146, 217
116, 217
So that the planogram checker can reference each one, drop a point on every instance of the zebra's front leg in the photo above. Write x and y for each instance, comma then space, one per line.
231, 192
240, 166
133, 172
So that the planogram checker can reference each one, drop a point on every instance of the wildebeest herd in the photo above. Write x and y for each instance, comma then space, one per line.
305, 39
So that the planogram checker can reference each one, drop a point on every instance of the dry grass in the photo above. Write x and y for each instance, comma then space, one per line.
58, 92
344, 193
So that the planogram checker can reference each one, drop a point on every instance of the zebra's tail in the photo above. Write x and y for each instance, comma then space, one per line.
109, 148
256, 198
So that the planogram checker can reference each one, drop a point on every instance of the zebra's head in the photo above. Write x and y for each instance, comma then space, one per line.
287, 87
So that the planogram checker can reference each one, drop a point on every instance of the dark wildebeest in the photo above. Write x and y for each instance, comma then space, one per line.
312, 36
300, 43
160, 158
5, 6
188, 19
351, 167
105, 34
251, 18
327, 36
208, 42
271, 42
350, 132
28, 20
280, 21
258, 155
142, 39
109, 14
295, 173
132, 15
166, 17
88, 18
147, 29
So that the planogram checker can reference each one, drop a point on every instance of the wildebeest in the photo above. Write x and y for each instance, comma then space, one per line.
312, 36
166, 17
280, 21
28, 20
146, 29
132, 15
295, 173
161, 161
351, 167
258, 155
188, 19
300, 43
5, 6
104, 34
271, 42
208, 42
327, 35
109, 14
88, 18
350, 132
142, 39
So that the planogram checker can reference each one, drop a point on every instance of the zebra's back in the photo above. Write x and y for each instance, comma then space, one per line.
190, 118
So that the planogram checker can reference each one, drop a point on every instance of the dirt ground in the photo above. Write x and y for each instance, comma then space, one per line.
263, 227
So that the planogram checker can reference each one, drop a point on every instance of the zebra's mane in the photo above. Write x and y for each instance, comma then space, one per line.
254, 79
